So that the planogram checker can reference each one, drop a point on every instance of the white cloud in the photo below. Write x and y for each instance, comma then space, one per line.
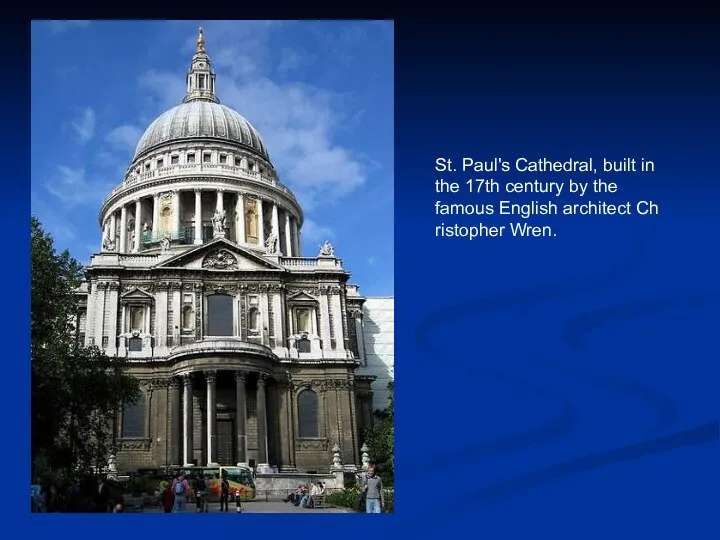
313, 232
297, 122
84, 126
60, 27
167, 88
124, 137
293, 59
73, 188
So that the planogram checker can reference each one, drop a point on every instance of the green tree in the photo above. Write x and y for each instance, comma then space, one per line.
380, 439
76, 390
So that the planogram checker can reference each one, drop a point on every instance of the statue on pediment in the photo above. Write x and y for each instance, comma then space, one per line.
218, 221
271, 244
326, 249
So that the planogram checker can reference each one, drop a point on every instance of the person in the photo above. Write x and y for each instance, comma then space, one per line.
373, 491
224, 492
118, 509
180, 489
102, 497
167, 499
201, 494
238, 504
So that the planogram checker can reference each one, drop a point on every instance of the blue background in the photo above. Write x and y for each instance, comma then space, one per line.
562, 387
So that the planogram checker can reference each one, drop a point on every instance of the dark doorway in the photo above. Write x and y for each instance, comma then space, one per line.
225, 439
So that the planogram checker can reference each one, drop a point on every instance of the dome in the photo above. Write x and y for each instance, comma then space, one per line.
201, 119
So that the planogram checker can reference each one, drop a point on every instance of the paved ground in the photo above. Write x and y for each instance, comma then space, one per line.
262, 507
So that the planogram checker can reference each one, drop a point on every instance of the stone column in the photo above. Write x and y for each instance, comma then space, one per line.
122, 248
276, 224
113, 312
288, 236
176, 213
175, 430
156, 216
262, 421
198, 217
296, 237
99, 312
261, 222
187, 419
138, 225
161, 322
325, 321
240, 417
211, 408
240, 219
360, 337
113, 232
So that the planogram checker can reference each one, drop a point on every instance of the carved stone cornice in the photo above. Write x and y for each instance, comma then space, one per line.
173, 383
210, 376
162, 285
241, 375
263, 378
158, 384
187, 379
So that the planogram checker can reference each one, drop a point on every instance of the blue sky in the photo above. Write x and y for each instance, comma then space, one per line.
320, 93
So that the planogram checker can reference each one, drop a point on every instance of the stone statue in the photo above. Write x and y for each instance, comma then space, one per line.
326, 250
218, 221
146, 228
271, 244
165, 243
132, 239
108, 244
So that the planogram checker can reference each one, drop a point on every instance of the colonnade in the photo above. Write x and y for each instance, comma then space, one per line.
125, 229
182, 418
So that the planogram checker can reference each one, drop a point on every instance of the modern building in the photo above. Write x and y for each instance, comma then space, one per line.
377, 347
247, 351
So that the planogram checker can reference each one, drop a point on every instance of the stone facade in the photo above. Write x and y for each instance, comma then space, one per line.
247, 352
378, 355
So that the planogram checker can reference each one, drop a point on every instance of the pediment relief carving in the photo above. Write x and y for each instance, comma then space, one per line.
220, 259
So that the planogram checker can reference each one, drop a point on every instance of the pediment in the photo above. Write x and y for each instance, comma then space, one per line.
222, 256
137, 294
302, 297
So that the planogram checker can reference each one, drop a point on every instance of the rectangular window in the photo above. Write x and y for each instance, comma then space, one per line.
206, 158
220, 315
302, 320
238, 161
191, 158
137, 319
159, 163
174, 160
201, 82
223, 159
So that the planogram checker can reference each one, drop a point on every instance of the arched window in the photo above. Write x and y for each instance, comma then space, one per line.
220, 315
308, 414
133, 418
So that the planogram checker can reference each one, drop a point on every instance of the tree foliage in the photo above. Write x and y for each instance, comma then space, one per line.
76, 390
380, 439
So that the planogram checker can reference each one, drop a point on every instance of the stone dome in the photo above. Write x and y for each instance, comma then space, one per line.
201, 120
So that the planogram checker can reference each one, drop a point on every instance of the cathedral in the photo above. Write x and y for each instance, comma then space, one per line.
247, 352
